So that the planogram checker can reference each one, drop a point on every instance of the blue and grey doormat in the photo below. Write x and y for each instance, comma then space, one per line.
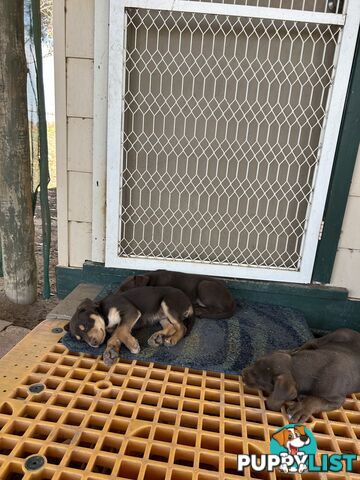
218, 345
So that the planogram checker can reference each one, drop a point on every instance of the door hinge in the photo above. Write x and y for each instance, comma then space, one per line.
321, 229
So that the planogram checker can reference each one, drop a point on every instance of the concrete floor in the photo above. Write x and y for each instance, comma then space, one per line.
10, 334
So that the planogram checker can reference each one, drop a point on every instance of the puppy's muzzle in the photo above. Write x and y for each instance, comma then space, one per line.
96, 339
248, 377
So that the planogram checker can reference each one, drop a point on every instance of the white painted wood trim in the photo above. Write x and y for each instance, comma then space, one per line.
61, 132
101, 43
115, 125
337, 97
238, 11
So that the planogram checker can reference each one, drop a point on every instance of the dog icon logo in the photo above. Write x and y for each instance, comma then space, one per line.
293, 443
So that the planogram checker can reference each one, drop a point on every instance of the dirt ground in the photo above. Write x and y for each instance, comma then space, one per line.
29, 316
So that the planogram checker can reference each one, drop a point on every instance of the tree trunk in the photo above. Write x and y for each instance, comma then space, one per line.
16, 219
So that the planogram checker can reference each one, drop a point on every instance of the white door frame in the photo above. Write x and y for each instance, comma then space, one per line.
321, 178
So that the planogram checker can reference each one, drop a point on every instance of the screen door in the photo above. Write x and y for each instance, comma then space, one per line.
222, 126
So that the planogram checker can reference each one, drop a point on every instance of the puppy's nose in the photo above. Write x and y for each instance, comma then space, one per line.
303, 438
94, 342
246, 375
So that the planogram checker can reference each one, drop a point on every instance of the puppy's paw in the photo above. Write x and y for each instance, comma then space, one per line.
134, 347
110, 356
156, 339
290, 406
170, 341
298, 413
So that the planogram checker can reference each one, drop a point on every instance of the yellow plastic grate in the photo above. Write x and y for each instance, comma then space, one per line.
138, 420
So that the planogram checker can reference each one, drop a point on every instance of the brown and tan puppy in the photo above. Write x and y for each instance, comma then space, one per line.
122, 311
315, 377
209, 296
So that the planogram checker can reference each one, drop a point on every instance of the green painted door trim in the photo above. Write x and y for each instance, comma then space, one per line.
325, 308
340, 182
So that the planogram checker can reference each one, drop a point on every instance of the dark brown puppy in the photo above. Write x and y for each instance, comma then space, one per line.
123, 311
209, 296
317, 376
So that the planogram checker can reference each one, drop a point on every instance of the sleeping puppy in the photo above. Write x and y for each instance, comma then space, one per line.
316, 377
122, 311
209, 296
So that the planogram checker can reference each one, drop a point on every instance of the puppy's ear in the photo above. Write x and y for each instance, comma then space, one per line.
66, 327
284, 390
134, 281
87, 303
142, 280
281, 437
128, 283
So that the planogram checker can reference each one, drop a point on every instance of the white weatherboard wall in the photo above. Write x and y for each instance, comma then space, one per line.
74, 73
81, 203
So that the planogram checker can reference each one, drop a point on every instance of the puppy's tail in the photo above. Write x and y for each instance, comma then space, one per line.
215, 313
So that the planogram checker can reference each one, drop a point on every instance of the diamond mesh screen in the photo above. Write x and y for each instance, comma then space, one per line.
222, 129
325, 6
